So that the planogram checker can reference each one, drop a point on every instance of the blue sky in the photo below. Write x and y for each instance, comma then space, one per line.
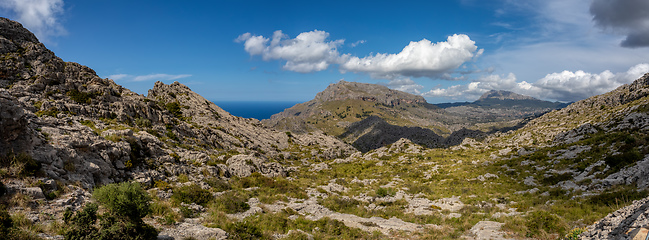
445, 51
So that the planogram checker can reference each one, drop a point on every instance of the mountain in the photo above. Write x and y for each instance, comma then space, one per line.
341, 110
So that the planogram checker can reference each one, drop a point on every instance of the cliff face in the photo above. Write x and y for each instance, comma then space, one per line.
82, 128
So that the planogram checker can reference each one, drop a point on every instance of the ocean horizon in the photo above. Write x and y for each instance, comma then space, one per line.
254, 109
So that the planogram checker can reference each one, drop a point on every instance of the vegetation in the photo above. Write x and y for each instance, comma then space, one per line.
20, 165
191, 194
126, 204
81, 97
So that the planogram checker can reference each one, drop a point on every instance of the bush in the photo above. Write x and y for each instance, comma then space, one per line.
126, 204
231, 202
540, 223
243, 230
617, 162
124, 200
81, 225
22, 164
174, 109
383, 192
191, 194
143, 122
80, 97
218, 185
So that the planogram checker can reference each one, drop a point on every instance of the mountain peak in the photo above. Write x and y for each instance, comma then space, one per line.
14, 31
343, 90
504, 95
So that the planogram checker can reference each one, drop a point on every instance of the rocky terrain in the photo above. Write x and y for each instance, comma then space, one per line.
68, 134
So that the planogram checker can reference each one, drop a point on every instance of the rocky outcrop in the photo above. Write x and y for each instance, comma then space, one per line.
630, 222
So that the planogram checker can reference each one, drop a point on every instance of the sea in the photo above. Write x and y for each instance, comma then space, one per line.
254, 109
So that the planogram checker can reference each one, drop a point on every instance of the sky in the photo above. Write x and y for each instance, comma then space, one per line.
446, 51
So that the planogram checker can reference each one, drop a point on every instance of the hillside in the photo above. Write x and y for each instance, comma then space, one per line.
200, 173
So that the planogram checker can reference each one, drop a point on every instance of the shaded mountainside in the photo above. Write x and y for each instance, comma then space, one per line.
343, 110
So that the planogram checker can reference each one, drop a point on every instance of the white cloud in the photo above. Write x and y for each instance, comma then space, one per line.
39, 16
417, 59
308, 52
405, 85
150, 77
476, 88
359, 42
563, 86
118, 76
573, 86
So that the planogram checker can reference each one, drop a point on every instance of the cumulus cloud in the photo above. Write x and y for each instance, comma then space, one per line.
150, 77
565, 86
39, 16
477, 87
418, 59
573, 86
627, 17
308, 52
405, 85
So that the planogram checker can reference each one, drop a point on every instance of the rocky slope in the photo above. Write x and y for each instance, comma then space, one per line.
80, 130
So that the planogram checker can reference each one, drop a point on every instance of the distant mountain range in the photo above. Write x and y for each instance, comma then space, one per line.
355, 111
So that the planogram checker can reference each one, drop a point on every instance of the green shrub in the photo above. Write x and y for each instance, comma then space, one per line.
80, 97
22, 163
618, 197
539, 223
218, 185
338, 204
117, 228
556, 178
81, 225
231, 202
52, 112
191, 194
124, 199
143, 122
243, 230
126, 205
383, 192
617, 162
186, 212
175, 109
